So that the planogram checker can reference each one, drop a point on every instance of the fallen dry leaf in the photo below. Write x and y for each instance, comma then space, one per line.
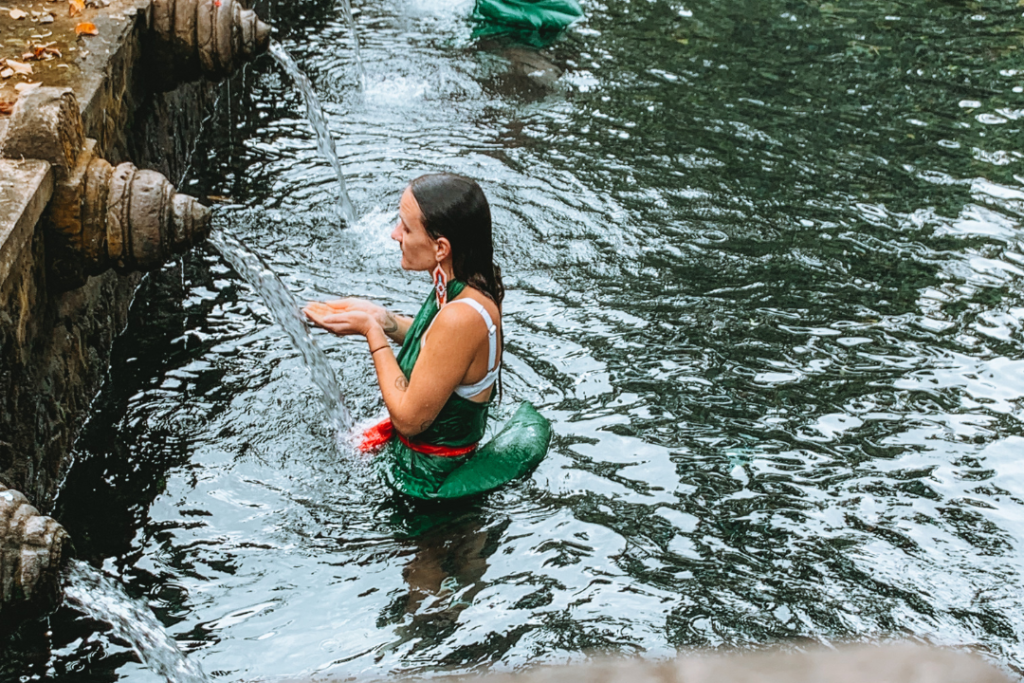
87, 28
6, 73
41, 52
18, 14
46, 19
75, 7
19, 67
22, 87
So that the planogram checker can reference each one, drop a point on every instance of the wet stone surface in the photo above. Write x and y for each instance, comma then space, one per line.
54, 342
25, 189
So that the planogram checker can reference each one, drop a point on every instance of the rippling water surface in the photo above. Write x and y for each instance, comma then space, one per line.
764, 276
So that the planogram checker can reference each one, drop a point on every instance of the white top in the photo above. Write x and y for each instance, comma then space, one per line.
471, 390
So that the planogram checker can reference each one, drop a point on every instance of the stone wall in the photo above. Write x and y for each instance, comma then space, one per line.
55, 344
53, 353
90, 132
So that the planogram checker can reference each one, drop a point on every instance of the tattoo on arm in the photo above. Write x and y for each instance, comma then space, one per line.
401, 383
390, 325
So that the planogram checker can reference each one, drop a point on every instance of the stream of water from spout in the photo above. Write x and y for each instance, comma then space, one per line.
346, 6
286, 312
99, 597
315, 114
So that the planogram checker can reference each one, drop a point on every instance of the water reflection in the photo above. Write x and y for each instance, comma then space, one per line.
445, 557
764, 277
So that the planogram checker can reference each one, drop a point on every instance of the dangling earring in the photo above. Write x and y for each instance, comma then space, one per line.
440, 286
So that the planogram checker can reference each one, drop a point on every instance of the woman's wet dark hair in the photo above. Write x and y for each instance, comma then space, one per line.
456, 208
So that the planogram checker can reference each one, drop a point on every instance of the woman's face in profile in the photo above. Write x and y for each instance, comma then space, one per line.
419, 250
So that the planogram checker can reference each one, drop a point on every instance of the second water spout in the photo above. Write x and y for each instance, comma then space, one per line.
96, 595
315, 114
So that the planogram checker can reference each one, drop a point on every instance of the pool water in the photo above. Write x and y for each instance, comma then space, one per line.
764, 276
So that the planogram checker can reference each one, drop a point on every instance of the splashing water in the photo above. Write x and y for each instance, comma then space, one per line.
99, 597
315, 115
286, 312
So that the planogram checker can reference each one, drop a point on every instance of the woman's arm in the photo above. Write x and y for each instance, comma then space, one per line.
456, 337
395, 326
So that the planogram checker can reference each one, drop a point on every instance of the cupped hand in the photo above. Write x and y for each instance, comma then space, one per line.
353, 305
341, 320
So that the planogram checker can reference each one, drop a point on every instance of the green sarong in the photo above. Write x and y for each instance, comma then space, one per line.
514, 451
532, 15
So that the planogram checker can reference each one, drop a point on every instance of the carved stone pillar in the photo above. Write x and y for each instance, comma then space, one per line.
100, 217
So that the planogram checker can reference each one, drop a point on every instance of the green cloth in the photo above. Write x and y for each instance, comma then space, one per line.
517, 448
461, 422
534, 15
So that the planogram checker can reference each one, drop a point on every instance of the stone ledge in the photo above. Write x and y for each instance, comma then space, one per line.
82, 57
25, 189
847, 663
54, 341
902, 663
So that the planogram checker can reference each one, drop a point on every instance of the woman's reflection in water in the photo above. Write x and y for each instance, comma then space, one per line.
449, 547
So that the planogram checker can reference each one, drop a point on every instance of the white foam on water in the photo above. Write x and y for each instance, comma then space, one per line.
396, 91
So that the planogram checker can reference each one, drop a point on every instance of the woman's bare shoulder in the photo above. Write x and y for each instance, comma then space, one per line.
482, 299
465, 319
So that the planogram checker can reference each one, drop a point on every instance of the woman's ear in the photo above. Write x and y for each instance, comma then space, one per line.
443, 248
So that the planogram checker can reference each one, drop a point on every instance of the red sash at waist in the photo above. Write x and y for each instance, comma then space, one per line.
380, 433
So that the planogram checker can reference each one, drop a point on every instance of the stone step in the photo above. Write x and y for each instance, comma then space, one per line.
25, 189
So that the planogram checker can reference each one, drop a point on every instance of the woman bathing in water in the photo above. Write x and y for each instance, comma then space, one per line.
438, 389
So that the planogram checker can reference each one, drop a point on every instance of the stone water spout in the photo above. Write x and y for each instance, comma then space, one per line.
121, 217
33, 550
100, 216
204, 38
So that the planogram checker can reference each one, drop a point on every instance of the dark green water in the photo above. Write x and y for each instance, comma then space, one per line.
764, 276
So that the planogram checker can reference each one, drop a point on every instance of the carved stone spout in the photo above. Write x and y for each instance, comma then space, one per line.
33, 549
120, 217
204, 38
99, 217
